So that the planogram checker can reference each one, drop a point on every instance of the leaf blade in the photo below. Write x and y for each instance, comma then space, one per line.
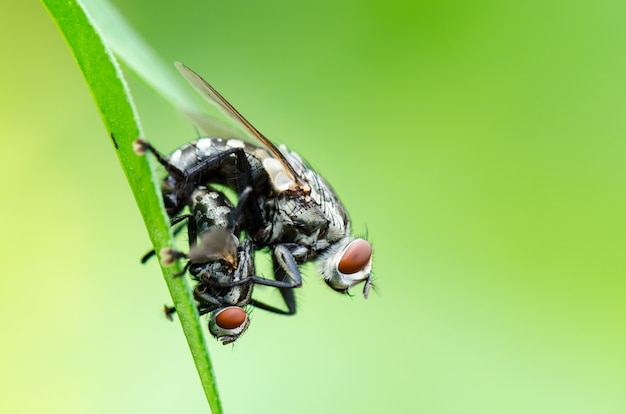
113, 99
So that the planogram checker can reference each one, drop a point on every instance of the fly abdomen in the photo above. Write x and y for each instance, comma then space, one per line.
231, 162
206, 156
210, 208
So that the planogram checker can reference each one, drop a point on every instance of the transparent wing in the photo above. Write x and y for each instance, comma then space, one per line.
210, 125
214, 97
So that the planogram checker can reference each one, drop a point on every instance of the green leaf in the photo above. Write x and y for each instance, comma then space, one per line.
115, 104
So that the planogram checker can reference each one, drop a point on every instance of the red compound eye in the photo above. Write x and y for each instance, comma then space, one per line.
356, 257
231, 318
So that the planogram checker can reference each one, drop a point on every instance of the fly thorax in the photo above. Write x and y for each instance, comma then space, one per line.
215, 271
322, 195
296, 219
238, 295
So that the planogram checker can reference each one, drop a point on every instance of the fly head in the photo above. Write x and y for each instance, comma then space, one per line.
346, 264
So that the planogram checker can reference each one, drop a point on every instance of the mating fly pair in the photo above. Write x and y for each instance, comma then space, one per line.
284, 206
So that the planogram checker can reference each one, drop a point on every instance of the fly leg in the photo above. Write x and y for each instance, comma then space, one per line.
271, 308
169, 311
206, 302
140, 146
168, 255
151, 253
286, 271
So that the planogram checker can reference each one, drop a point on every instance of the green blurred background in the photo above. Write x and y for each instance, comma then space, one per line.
480, 144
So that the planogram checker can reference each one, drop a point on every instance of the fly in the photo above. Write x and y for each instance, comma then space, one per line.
222, 266
292, 210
